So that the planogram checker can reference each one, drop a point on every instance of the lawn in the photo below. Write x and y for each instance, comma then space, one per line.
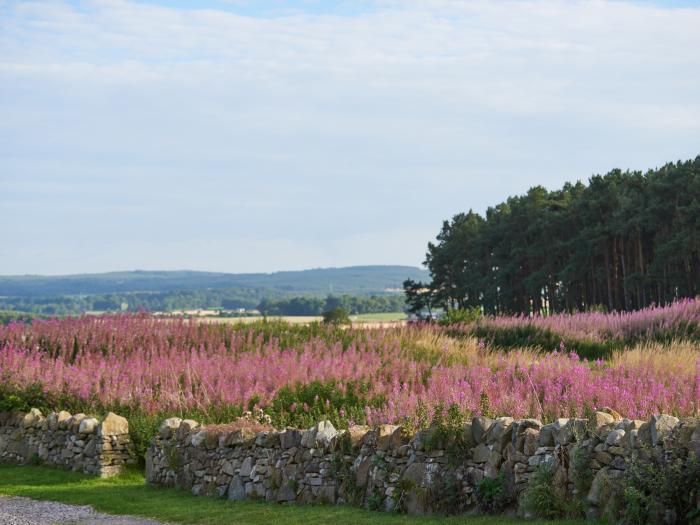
127, 494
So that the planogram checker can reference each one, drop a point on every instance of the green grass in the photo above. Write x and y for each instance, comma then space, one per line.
127, 494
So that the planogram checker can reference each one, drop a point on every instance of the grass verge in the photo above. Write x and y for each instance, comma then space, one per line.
127, 494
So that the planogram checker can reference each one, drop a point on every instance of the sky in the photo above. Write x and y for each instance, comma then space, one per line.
244, 136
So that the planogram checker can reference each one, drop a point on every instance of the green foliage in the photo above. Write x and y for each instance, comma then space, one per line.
542, 499
336, 316
461, 315
447, 432
657, 484
492, 494
624, 241
305, 404
375, 500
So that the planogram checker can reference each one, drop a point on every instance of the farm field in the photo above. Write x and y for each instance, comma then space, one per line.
387, 317
147, 369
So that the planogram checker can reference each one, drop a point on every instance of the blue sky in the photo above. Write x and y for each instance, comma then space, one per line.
259, 136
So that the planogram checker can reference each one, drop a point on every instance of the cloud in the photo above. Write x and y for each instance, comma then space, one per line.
338, 130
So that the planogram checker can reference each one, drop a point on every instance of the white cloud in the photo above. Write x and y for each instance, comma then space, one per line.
392, 119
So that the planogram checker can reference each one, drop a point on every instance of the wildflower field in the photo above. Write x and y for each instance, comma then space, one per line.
148, 368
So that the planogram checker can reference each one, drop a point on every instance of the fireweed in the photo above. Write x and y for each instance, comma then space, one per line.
174, 366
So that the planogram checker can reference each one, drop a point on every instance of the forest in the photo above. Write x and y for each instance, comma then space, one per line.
624, 241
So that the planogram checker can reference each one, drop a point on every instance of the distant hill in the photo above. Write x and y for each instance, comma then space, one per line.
359, 280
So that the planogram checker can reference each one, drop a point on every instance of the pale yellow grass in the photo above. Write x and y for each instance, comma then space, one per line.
435, 347
682, 357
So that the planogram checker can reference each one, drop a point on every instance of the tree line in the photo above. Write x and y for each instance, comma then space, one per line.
309, 305
624, 241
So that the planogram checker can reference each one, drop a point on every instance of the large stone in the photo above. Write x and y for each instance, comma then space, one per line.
197, 440
573, 431
186, 427
481, 453
546, 437
290, 438
236, 489
480, 425
389, 437
246, 467
63, 419
600, 423
32, 418
530, 441
615, 437
113, 425
356, 433
325, 432
683, 432
88, 425
500, 432
661, 426
235, 438
169, 427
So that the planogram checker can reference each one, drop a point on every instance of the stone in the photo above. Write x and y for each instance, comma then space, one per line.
362, 472
62, 419
415, 472
235, 438
599, 423
600, 480
389, 437
530, 441
236, 489
481, 453
88, 425
325, 432
290, 438
187, 426
572, 431
683, 432
661, 426
546, 437
197, 440
499, 434
480, 425
615, 437
168, 428
32, 418
113, 425
246, 467
356, 434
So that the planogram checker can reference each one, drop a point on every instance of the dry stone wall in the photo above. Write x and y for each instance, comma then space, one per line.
77, 442
383, 468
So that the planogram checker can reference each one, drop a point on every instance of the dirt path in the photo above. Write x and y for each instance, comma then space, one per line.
25, 511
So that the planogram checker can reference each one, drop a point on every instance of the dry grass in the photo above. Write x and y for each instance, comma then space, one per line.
682, 357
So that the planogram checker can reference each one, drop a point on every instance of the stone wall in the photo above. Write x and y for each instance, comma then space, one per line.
77, 442
383, 468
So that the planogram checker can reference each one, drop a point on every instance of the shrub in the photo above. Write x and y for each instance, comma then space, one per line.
542, 499
492, 494
336, 316
660, 488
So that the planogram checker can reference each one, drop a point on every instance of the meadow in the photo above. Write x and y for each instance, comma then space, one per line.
149, 368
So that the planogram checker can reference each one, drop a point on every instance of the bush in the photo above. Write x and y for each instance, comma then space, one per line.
461, 316
493, 495
542, 499
662, 489
336, 316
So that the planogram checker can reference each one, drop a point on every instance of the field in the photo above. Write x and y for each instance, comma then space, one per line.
388, 317
147, 369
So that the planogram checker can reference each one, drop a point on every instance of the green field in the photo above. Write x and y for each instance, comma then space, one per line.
127, 494
387, 317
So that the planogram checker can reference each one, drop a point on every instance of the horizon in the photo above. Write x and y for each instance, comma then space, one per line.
242, 137
185, 270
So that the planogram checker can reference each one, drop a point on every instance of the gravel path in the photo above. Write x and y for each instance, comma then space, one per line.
25, 511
